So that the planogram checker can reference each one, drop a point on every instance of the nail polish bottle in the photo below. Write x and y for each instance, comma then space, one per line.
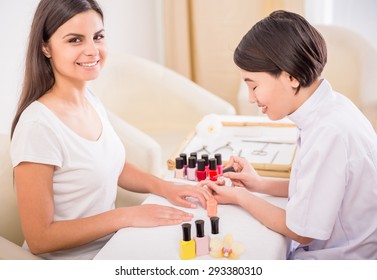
212, 172
215, 228
200, 172
216, 240
191, 169
184, 156
194, 154
219, 163
201, 240
179, 171
187, 245
211, 207
206, 163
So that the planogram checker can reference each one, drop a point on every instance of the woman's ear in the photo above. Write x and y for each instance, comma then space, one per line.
46, 50
291, 80
294, 82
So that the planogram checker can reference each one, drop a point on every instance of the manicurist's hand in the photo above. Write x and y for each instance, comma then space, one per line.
244, 175
178, 194
223, 194
152, 215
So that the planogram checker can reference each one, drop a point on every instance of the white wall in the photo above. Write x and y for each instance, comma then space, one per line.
356, 15
132, 26
15, 24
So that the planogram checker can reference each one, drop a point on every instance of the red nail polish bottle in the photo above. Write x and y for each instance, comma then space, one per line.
212, 172
206, 163
219, 163
201, 172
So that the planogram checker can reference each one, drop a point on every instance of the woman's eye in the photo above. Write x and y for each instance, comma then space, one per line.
99, 37
74, 40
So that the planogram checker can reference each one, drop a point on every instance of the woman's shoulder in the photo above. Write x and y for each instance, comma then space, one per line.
36, 115
34, 112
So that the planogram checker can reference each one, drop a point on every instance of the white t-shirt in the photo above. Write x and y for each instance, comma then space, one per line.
86, 172
333, 184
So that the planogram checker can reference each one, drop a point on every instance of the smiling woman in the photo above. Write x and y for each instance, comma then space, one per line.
281, 59
87, 49
68, 161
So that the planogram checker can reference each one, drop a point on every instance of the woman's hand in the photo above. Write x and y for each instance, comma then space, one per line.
178, 194
223, 194
152, 215
244, 175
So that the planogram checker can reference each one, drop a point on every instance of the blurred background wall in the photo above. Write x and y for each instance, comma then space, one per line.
193, 37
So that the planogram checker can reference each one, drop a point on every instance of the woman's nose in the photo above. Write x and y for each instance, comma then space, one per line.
252, 97
91, 49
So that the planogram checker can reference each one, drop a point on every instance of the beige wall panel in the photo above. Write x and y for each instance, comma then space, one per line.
201, 36
217, 26
177, 36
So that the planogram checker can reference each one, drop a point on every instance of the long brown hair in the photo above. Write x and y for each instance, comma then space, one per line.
39, 76
283, 41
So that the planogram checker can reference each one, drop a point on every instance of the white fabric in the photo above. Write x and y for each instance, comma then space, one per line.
333, 185
86, 172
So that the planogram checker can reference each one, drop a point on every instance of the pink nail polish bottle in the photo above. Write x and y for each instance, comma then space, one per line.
194, 154
201, 172
191, 169
184, 156
201, 240
179, 170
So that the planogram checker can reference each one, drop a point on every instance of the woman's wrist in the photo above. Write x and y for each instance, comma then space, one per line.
163, 188
258, 184
241, 196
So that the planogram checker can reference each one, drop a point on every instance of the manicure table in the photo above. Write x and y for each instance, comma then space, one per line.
162, 243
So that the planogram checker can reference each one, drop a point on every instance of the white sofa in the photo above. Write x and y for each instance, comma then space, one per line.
155, 99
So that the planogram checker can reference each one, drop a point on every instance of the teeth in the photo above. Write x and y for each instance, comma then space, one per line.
88, 64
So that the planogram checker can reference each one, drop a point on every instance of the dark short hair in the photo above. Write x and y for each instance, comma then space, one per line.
283, 41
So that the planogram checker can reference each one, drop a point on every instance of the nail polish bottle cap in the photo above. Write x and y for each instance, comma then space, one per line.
194, 154
229, 169
186, 228
205, 157
178, 163
214, 225
199, 228
218, 159
212, 164
184, 156
201, 164
192, 162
